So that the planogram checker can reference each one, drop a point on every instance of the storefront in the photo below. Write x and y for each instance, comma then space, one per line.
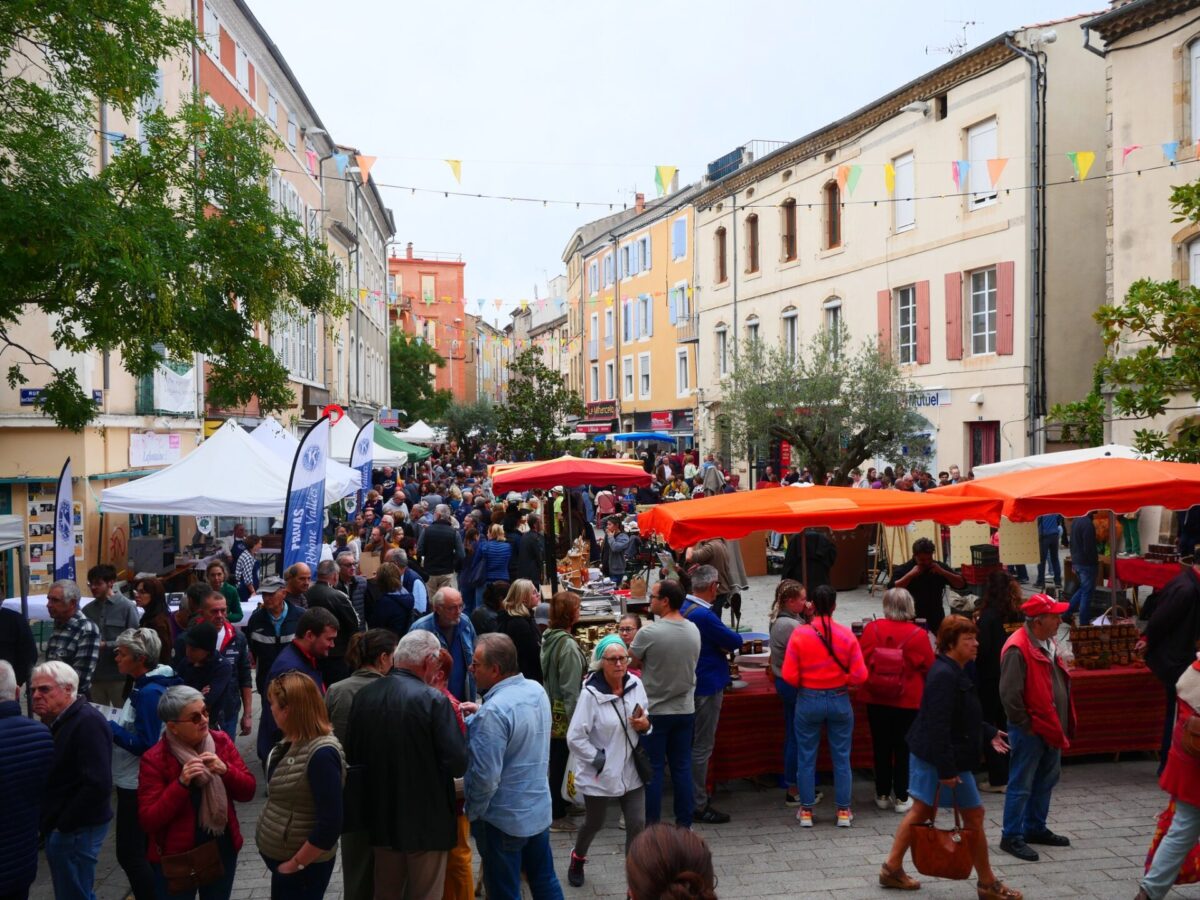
601, 418
679, 423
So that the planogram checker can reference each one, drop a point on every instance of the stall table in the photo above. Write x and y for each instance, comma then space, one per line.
1134, 571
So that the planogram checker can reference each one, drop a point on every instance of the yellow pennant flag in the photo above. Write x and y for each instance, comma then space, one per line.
663, 175
889, 177
455, 167
364, 164
1082, 161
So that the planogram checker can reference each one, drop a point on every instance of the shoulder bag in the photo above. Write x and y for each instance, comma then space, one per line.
940, 853
641, 759
187, 872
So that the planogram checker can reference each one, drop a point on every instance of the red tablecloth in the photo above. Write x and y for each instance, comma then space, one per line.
1118, 710
1135, 570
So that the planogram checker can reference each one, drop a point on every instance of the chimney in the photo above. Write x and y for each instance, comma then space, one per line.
408, 251
639, 203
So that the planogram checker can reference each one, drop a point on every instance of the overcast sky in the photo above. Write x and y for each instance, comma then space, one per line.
561, 100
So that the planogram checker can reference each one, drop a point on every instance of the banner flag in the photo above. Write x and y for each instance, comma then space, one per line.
455, 167
304, 514
1082, 161
1125, 151
64, 526
341, 160
364, 164
663, 175
361, 458
1170, 150
995, 168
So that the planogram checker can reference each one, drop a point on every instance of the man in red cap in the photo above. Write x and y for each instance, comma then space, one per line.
1035, 688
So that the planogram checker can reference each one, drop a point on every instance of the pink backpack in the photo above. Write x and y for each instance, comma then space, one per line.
885, 675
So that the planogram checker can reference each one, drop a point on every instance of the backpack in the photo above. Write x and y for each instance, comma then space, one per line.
885, 674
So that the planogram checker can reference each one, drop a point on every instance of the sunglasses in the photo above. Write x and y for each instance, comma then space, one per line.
194, 719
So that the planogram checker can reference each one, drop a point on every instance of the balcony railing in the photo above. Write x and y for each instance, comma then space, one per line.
687, 329
593, 349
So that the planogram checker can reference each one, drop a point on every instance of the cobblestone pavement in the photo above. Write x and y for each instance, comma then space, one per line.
1106, 807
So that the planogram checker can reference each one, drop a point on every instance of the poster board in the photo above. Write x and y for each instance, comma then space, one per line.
963, 536
368, 564
899, 539
39, 534
1019, 543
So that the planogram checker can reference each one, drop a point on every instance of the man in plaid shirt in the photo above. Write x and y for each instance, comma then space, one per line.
76, 639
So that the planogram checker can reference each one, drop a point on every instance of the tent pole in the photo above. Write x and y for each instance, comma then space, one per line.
1112, 560
23, 578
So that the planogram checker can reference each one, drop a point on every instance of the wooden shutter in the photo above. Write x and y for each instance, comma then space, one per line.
1005, 301
922, 322
883, 304
954, 308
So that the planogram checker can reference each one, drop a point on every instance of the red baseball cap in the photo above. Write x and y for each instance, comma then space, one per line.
1042, 604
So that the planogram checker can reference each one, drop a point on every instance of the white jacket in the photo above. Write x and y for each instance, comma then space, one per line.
601, 722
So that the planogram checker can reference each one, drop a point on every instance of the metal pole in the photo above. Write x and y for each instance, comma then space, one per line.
23, 577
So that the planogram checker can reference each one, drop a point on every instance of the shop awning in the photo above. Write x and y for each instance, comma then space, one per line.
568, 471
1044, 460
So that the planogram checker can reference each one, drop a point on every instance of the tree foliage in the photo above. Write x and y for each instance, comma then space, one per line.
533, 421
470, 424
174, 244
1151, 360
836, 406
414, 392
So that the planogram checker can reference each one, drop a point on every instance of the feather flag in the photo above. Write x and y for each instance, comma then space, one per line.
64, 526
303, 516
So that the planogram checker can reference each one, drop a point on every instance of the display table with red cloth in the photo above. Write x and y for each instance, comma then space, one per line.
1118, 709
1135, 570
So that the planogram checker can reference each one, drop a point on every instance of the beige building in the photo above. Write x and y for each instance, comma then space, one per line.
916, 221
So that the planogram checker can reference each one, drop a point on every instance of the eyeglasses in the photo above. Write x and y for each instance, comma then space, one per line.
616, 660
624, 628
194, 719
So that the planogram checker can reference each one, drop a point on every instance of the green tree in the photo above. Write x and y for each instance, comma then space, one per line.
470, 424
836, 406
412, 363
1151, 361
534, 418
175, 243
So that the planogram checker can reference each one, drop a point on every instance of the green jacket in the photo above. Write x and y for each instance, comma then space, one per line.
563, 665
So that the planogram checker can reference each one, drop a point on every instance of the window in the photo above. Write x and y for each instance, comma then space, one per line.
941, 107
833, 215
752, 243
623, 262
151, 103
981, 146
833, 324
610, 380
291, 131
644, 376
242, 65
906, 324
645, 316
680, 303
752, 331
722, 350
683, 385
787, 230
608, 327
626, 321
1194, 263
593, 276
627, 377
904, 207
722, 271
1194, 59
272, 108
609, 278
428, 289
595, 395
983, 311
643, 253
595, 332
679, 238
790, 335
212, 30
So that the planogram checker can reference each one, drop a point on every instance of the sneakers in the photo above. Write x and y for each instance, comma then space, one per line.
884, 802
710, 816
844, 817
804, 817
790, 799
903, 806
563, 825
575, 870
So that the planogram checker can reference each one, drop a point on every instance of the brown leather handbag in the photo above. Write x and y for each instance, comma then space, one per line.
186, 872
1189, 736
940, 853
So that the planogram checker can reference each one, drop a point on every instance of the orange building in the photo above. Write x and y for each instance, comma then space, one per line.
427, 292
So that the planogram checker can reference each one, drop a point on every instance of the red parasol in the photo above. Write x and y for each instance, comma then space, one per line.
568, 471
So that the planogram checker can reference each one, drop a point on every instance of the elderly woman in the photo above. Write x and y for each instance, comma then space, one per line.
135, 731
898, 654
217, 576
562, 663
790, 609
945, 742
607, 724
298, 828
516, 620
187, 785
151, 598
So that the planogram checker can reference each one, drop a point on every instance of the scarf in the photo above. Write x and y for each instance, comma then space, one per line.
214, 804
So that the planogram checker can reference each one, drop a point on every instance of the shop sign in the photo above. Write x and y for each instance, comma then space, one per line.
929, 399
153, 449
29, 396
785, 455
594, 427
685, 420
602, 409
388, 418
662, 421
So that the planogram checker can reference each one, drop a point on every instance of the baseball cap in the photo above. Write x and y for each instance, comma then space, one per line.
1041, 604
271, 585
202, 636
541, 615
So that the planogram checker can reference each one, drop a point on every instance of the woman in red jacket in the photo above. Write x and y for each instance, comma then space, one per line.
898, 655
187, 785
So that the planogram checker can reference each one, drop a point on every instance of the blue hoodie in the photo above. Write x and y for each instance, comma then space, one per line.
138, 727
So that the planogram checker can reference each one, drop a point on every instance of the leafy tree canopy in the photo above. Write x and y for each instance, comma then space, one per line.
470, 424
175, 243
412, 364
533, 421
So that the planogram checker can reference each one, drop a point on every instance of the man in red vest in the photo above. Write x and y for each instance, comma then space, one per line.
1035, 688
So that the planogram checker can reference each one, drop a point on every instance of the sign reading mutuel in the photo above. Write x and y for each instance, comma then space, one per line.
931, 399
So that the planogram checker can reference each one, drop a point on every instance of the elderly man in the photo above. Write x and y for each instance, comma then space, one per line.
324, 595
26, 754
76, 639
440, 549
506, 791
456, 634
112, 614
712, 677
411, 580
350, 583
270, 628
298, 577
397, 505
76, 808
234, 648
1035, 689
315, 635
927, 580
409, 811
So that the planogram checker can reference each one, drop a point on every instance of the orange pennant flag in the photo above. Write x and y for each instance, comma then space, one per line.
364, 164
843, 174
995, 168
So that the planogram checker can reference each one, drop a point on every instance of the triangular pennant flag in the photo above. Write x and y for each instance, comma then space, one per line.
852, 178
455, 167
480, 303
995, 168
498, 302
843, 174
341, 160
1082, 161
364, 164
954, 173
1170, 150
524, 305
312, 160
1125, 151
663, 176
889, 178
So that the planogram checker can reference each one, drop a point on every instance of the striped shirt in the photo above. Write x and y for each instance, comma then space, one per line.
808, 663
77, 643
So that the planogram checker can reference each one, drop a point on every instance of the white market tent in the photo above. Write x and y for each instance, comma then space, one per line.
420, 433
12, 532
341, 444
227, 475
275, 439
1042, 460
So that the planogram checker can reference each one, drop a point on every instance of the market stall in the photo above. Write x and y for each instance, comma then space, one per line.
341, 444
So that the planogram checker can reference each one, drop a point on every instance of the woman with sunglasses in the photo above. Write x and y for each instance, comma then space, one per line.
609, 720
187, 785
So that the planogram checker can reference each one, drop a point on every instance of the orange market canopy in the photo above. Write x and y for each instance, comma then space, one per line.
789, 510
1074, 489
568, 471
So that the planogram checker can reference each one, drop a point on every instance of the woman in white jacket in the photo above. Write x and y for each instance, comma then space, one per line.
607, 724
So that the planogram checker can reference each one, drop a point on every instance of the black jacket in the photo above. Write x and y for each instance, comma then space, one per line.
322, 595
1174, 627
524, 633
410, 765
532, 556
16, 644
355, 589
441, 549
26, 754
393, 611
77, 795
949, 731
265, 645
992, 637
821, 552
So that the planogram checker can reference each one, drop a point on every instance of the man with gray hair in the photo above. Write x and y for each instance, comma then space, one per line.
76, 638
440, 549
456, 634
712, 677
26, 754
409, 811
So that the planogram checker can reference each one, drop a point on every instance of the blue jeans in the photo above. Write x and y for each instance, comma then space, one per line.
72, 857
1033, 770
308, 884
670, 743
1173, 850
832, 709
218, 890
787, 694
504, 857
1048, 548
1081, 600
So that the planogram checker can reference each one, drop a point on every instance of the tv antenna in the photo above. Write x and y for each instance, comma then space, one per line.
958, 45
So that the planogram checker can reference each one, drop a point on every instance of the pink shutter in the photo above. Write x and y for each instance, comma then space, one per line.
922, 322
954, 307
1006, 282
883, 303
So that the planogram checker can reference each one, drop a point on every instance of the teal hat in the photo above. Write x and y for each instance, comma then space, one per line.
607, 641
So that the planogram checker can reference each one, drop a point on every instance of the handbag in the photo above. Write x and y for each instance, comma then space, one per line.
641, 759
187, 872
940, 853
1189, 736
